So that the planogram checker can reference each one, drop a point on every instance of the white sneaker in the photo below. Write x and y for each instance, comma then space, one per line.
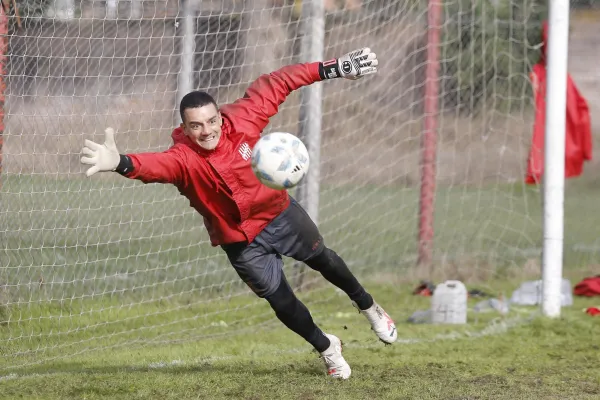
381, 323
337, 367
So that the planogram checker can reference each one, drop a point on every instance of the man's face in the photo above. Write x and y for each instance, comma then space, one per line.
203, 125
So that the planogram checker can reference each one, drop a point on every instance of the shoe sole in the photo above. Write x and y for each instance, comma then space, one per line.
383, 341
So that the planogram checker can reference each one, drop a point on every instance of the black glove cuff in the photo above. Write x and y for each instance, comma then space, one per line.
329, 69
125, 165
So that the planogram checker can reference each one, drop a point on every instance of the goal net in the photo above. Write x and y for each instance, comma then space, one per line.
106, 262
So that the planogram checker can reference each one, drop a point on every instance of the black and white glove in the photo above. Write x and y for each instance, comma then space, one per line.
353, 65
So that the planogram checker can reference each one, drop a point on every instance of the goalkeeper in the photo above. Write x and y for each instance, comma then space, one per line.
209, 163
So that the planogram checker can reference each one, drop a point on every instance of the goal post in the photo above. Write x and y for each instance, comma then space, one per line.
3, 62
429, 156
311, 103
554, 161
312, 31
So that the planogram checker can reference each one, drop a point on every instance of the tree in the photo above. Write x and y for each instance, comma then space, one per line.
488, 50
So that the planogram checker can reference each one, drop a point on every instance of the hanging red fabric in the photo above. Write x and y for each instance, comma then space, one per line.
578, 145
588, 287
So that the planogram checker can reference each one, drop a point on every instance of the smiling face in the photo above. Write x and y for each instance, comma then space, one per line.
203, 125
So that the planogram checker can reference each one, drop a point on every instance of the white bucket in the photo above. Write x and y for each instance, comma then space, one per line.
449, 303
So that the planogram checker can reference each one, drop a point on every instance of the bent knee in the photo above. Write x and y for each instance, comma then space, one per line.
322, 260
283, 298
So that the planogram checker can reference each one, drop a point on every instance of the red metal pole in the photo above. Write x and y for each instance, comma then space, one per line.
3, 58
429, 138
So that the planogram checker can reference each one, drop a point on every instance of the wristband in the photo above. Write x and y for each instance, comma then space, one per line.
125, 165
329, 69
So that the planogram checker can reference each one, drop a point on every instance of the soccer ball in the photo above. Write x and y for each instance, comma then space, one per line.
280, 160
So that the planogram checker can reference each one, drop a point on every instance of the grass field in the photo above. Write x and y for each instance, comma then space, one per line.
515, 359
109, 290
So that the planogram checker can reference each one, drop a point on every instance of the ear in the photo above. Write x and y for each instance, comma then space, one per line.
220, 118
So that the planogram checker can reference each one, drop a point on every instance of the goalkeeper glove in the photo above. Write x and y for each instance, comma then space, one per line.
102, 157
353, 65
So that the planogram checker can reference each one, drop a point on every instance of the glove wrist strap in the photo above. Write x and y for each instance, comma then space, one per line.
125, 165
329, 69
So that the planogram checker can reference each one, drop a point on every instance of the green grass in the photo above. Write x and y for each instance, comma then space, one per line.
92, 235
521, 358
103, 279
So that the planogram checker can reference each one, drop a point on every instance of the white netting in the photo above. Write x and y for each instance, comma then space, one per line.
103, 262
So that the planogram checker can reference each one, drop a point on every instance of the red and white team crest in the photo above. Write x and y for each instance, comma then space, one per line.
245, 151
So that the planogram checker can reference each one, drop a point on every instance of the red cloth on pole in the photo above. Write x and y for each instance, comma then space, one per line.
578, 145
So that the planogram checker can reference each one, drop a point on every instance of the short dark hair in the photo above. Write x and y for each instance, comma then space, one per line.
195, 99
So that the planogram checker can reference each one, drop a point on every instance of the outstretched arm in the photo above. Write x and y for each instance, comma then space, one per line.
262, 99
164, 167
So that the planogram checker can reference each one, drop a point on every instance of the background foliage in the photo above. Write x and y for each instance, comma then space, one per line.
488, 51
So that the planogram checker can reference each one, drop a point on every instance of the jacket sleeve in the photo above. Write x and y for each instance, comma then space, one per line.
261, 101
164, 167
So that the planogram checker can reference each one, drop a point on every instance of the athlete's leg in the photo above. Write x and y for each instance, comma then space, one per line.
261, 269
294, 234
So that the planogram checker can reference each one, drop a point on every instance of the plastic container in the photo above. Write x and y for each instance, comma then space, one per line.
449, 303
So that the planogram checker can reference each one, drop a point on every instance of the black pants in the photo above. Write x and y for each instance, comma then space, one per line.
260, 265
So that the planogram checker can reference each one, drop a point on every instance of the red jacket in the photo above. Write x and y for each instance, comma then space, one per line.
578, 145
220, 184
